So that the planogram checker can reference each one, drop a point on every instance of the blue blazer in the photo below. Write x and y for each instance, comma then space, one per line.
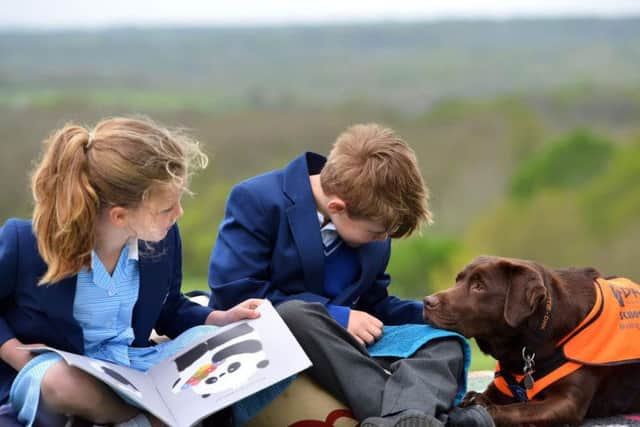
269, 246
44, 314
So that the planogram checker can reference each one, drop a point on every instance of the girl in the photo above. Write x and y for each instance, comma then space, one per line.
98, 268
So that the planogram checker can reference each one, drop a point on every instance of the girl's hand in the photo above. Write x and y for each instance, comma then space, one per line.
15, 357
244, 310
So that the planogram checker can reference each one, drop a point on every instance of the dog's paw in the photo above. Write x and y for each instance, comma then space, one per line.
469, 399
475, 398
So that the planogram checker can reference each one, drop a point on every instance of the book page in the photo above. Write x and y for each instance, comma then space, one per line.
228, 365
129, 382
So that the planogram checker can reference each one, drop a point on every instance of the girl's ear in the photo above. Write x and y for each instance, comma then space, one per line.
118, 216
336, 205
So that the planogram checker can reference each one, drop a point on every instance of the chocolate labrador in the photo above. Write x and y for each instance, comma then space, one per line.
567, 341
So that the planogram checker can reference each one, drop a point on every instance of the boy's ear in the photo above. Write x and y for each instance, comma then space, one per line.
336, 205
118, 216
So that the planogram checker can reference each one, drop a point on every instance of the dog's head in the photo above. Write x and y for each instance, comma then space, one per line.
491, 296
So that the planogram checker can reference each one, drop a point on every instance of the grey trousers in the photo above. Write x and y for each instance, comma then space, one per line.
427, 381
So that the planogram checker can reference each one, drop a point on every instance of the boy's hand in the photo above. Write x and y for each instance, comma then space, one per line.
244, 310
365, 328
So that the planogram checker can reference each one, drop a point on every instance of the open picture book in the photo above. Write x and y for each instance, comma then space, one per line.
220, 369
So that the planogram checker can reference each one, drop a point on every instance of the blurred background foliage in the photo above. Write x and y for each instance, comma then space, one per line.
527, 131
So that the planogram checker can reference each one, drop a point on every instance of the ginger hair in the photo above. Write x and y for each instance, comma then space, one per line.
376, 173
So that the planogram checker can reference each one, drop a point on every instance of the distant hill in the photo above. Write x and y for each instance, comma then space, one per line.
400, 65
522, 128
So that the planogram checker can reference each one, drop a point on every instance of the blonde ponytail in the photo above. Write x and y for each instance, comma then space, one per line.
66, 204
83, 171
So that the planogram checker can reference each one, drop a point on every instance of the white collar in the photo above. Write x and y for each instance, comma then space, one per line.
328, 226
132, 245
132, 249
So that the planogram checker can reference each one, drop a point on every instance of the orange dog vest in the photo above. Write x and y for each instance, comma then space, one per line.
608, 335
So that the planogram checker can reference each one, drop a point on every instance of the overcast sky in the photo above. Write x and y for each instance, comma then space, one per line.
97, 14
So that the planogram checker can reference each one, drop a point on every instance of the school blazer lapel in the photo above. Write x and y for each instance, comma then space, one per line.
58, 302
306, 236
303, 220
155, 275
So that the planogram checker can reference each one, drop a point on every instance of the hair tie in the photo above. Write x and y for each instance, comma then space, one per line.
89, 140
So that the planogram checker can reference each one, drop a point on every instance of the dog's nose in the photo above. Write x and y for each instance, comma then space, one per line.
430, 301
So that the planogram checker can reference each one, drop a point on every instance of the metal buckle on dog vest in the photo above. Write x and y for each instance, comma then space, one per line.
527, 370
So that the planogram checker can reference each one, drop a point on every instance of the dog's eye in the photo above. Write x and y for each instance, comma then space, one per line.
477, 285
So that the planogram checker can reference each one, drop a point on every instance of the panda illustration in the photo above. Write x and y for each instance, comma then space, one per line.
221, 363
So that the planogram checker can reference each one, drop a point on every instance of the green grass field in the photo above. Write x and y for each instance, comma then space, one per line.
194, 283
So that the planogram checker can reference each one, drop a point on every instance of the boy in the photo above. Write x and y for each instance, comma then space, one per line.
319, 231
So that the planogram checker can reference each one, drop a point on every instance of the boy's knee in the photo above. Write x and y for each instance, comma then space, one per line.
451, 346
448, 350
440, 348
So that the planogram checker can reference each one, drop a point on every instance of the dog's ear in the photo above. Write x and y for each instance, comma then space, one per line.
525, 292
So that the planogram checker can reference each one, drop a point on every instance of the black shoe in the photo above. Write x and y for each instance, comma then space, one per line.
471, 416
408, 418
